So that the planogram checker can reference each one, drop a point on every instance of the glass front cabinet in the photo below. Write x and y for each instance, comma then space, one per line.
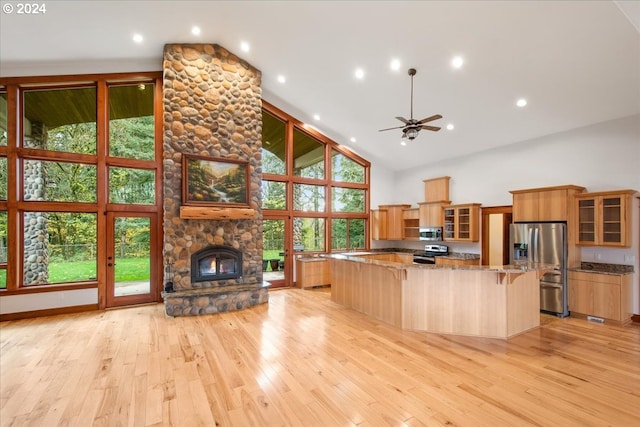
604, 218
461, 222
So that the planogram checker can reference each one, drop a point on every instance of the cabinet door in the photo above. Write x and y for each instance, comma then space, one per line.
464, 223
431, 215
580, 296
611, 224
379, 220
606, 300
587, 221
552, 205
450, 228
394, 225
525, 207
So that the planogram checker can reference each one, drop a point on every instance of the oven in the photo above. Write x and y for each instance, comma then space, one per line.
430, 253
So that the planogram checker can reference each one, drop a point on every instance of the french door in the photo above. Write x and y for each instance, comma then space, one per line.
277, 264
132, 258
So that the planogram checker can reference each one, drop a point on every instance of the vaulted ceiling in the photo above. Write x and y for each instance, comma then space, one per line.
576, 62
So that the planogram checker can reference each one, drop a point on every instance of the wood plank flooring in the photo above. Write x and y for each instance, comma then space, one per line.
303, 360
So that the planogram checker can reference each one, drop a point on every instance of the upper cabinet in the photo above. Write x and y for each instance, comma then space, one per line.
461, 222
544, 204
410, 224
431, 214
604, 218
436, 189
387, 222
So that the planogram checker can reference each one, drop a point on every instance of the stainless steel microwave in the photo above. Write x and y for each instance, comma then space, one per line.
431, 233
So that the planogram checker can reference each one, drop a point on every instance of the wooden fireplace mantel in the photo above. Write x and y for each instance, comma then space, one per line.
202, 212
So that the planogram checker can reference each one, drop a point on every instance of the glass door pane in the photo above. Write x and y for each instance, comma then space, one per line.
130, 261
275, 262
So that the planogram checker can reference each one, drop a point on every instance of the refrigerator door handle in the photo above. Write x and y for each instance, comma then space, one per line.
536, 245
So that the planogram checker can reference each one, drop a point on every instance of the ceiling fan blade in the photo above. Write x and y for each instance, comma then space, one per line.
403, 120
429, 119
398, 127
433, 128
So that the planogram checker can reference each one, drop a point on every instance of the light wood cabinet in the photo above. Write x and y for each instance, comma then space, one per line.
431, 214
544, 204
608, 296
386, 223
456, 262
411, 224
604, 218
436, 189
461, 222
314, 272
379, 220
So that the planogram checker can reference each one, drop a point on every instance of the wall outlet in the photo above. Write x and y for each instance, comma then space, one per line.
598, 257
629, 258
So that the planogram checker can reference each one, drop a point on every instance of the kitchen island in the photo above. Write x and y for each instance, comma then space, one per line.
482, 301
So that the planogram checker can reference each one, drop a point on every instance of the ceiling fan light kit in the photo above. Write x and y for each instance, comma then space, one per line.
412, 127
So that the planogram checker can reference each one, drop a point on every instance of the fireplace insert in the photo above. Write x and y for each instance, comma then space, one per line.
216, 263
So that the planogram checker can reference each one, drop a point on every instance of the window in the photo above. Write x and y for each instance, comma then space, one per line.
274, 195
131, 122
131, 186
344, 169
308, 198
273, 144
60, 120
58, 181
322, 194
82, 149
308, 156
59, 247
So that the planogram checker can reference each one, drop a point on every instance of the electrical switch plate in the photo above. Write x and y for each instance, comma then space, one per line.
629, 258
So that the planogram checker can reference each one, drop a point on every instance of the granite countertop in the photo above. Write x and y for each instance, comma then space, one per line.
601, 268
354, 257
461, 255
310, 259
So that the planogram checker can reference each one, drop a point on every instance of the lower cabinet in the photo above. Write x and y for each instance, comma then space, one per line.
456, 261
312, 272
608, 296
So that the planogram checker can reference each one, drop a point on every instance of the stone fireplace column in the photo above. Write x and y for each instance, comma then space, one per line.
212, 107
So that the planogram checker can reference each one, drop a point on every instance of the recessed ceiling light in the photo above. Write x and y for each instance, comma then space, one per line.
403, 142
450, 126
521, 102
281, 79
457, 62
244, 46
316, 117
395, 64
352, 139
195, 30
138, 38
359, 73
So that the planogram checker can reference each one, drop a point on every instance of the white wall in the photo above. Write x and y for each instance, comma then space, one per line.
601, 157
47, 300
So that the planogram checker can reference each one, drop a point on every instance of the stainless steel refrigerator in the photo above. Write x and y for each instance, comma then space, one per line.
544, 243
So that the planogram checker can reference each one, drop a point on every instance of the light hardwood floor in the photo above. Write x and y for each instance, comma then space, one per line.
302, 360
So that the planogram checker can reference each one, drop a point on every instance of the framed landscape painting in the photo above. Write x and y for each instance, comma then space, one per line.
209, 181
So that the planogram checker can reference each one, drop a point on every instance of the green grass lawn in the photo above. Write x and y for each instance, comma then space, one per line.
128, 270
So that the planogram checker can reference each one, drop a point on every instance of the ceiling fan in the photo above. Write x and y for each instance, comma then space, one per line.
412, 126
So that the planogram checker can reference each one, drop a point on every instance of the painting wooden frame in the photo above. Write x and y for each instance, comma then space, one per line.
210, 181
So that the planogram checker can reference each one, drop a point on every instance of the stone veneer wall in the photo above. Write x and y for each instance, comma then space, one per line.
212, 107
